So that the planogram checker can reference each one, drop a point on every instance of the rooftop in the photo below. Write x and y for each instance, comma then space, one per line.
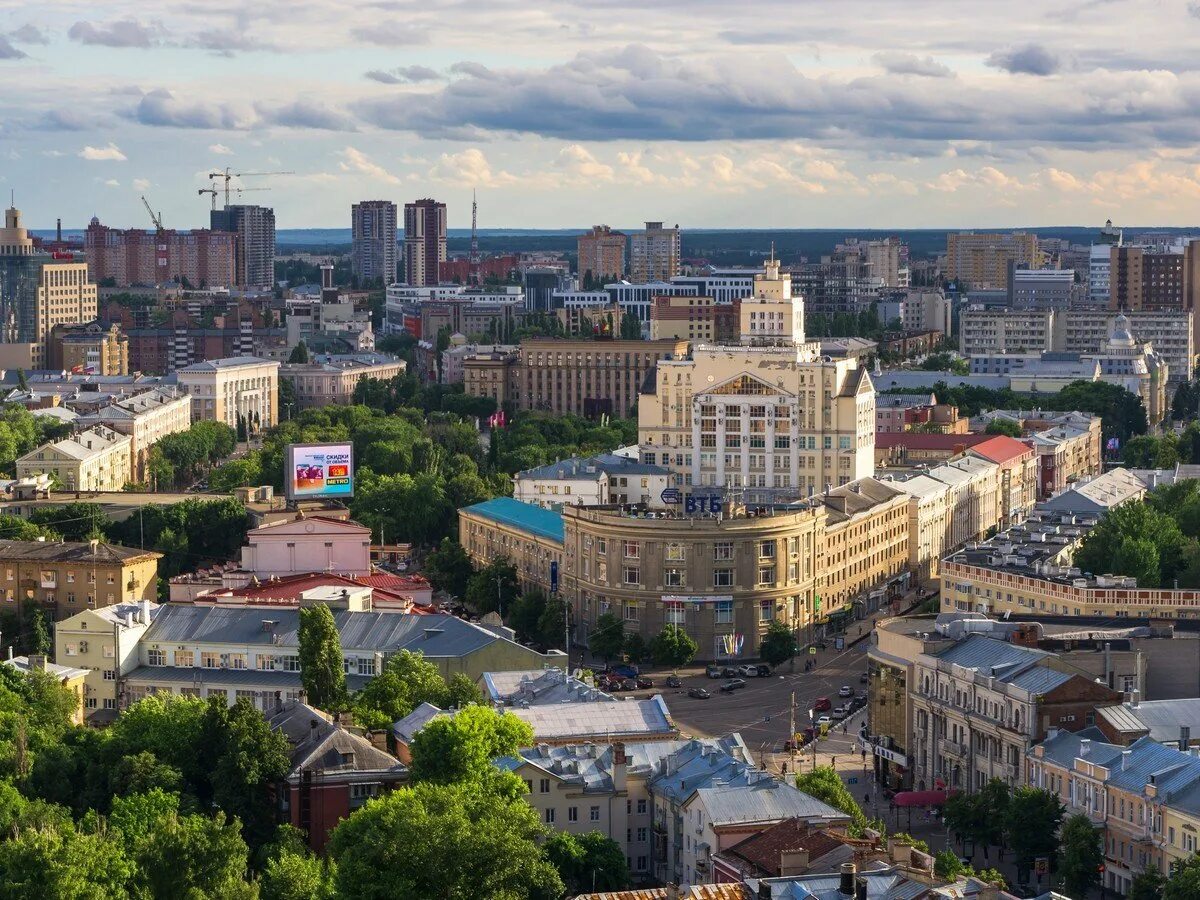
1161, 719
1100, 494
229, 362
81, 446
583, 468
1008, 663
1001, 448
73, 551
544, 523
537, 687
321, 745
561, 722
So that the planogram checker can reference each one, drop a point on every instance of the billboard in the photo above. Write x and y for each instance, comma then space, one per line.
318, 470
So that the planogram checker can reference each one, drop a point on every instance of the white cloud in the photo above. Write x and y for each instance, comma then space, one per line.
354, 160
141, 184
112, 182
220, 150
469, 168
111, 153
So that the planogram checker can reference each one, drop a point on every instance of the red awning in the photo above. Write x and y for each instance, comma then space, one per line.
920, 798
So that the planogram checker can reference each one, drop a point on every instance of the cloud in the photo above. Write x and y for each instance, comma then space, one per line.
392, 34
141, 184
470, 168
29, 34
111, 153
66, 119
1194, 10
354, 160
112, 182
226, 41
1029, 59
404, 75
220, 150
577, 162
305, 114
8, 51
897, 63
161, 108
121, 33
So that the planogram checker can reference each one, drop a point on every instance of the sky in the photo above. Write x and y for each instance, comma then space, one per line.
565, 113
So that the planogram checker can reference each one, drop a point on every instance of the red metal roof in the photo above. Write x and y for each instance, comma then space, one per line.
1000, 448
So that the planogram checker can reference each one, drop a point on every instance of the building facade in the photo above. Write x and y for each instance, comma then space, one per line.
89, 349
331, 380
146, 418
596, 480
202, 257
687, 318
374, 253
242, 388
103, 641
96, 459
654, 254
983, 260
253, 230
424, 241
601, 253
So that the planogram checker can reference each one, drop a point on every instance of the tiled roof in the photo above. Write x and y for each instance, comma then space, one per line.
544, 523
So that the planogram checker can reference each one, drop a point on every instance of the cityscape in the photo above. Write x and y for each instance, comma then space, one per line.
661, 455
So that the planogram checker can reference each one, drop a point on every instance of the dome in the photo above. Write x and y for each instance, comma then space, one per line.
1121, 335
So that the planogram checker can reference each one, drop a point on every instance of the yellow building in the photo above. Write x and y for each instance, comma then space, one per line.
982, 260
529, 535
89, 349
491, 373
237, 388
104, 643
865, 541
331, 380
98, 459
71, 678
146, 418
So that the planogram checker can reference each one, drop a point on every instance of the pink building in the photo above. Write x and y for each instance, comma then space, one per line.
310, 544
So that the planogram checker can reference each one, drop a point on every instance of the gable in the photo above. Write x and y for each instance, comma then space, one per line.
745, 385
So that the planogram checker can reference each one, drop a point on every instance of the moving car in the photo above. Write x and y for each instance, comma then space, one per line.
821, 704
840, 712
824, 720
733, 684
712, 671
699, 693
673, 681
864, 678
845, 691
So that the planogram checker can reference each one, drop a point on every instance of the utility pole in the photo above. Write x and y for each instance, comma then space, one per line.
792, 731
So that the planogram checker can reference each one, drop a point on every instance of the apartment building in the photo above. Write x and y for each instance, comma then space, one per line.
601, 253
1143, 798
374, 253
1170, 332
603, 479
253, 230
1043, 289
134, 256
424, 241
453, 370
1147, 278
918, 309
103, 642
585, 378
687, 318
654, 254
528, 535
980, 705
1067, 453
887, 258
839, 283
983, 261
1017, 486
330, 380
492, 372
928, 514
239, 388
866, 544
96, 459
987, 332
89, 349
70, 677
146, 418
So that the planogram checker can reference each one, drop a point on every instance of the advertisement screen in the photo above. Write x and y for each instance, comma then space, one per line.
319, 470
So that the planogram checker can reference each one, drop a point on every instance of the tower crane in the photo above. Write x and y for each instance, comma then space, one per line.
156, 218
212, 192
229, 175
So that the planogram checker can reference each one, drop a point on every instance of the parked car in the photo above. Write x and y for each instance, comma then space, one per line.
733, 684
629, 684
824, 720
864, 678
729, 671
748, 671
643, 682
711, 671
821, 645
699, 693
845, 691
821, 704
840, 712
673, 681
624, 671
763, 670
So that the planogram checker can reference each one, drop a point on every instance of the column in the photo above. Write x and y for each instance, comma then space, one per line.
721, 448
745, 445
770, 448
794, 450
696, 451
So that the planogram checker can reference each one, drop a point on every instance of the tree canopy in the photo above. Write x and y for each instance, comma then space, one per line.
321, 668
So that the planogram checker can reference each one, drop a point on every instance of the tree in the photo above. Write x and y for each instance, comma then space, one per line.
964, 815
56, 860
525, 615
1003, 426
1080, 855
1134, 539
635, 647
779, 644
295, 876
407, 681
588, 862
494, 587
1184, 883
552, 623
1031, 824
321, 666
462, 691
607, 640
993, 877
948, 866
40, 640
448, 567
459, 749
1147, 885
299, 355
824, 784
673, 647
486, 847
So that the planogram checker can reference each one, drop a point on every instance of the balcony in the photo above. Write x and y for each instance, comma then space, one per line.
953, 749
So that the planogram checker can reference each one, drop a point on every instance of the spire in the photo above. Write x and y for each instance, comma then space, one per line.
473, 259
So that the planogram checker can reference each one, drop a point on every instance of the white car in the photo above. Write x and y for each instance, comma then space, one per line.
845, 691
840, 712
748, 671
824, 720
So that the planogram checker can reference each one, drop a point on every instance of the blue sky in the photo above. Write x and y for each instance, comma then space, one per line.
570, 113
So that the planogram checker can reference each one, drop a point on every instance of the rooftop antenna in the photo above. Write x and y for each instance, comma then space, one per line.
474, 256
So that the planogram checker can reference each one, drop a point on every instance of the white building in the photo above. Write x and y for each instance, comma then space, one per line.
147, 418
590, 481
237, 387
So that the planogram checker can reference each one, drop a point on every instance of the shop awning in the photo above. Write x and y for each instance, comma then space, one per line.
920, 798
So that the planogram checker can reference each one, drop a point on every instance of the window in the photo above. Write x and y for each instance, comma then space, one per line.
675, 612
641, 863
110, 702
210, 659
676, 552
573, 814
89, 703
549, 816
723, 550
366, 665
108, 651
237, 660
673, 577
594, 814
766, 549
631, 575
265, 662
722, 577
290, 663
528, 786
544, 786
723, 612
110, 675
72, 649
641, 835
631, 610
156, 658
601, 545
633, 550
766, 610
766, 575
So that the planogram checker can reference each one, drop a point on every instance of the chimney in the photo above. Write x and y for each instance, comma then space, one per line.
10, 651
37, 662
1085, 747
1134, 698
58, 230
1126, 758
145, 612
860, 889
1185, 737
764, 890
793, 862
846, 883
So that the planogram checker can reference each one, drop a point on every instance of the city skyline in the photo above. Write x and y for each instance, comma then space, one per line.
784, 117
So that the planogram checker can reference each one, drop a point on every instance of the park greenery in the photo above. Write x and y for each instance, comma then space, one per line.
945, 362
21, 432
1003, 426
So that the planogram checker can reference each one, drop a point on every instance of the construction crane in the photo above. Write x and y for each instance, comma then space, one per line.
211, 191
228, 176
156, 218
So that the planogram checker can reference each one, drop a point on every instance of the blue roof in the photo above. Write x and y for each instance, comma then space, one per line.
545, 523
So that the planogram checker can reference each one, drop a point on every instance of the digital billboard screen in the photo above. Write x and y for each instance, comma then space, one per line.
319, 470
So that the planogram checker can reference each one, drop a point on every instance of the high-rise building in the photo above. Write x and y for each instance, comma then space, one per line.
253, 228
134, 256
37, 292
887, 259
1141, 278
424, 241
374, 252
602, 254
654, 253
982, 260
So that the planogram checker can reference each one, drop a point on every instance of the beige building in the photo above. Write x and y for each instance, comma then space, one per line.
928, 501
887, 259
766, 418
602, 253
654, 254
104, 643
987, 332
97, 459
73, 679
492, 373
982, 260
530, 536
688, 318
146, 418
331, 380
238, 387
89, 349
866, 543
